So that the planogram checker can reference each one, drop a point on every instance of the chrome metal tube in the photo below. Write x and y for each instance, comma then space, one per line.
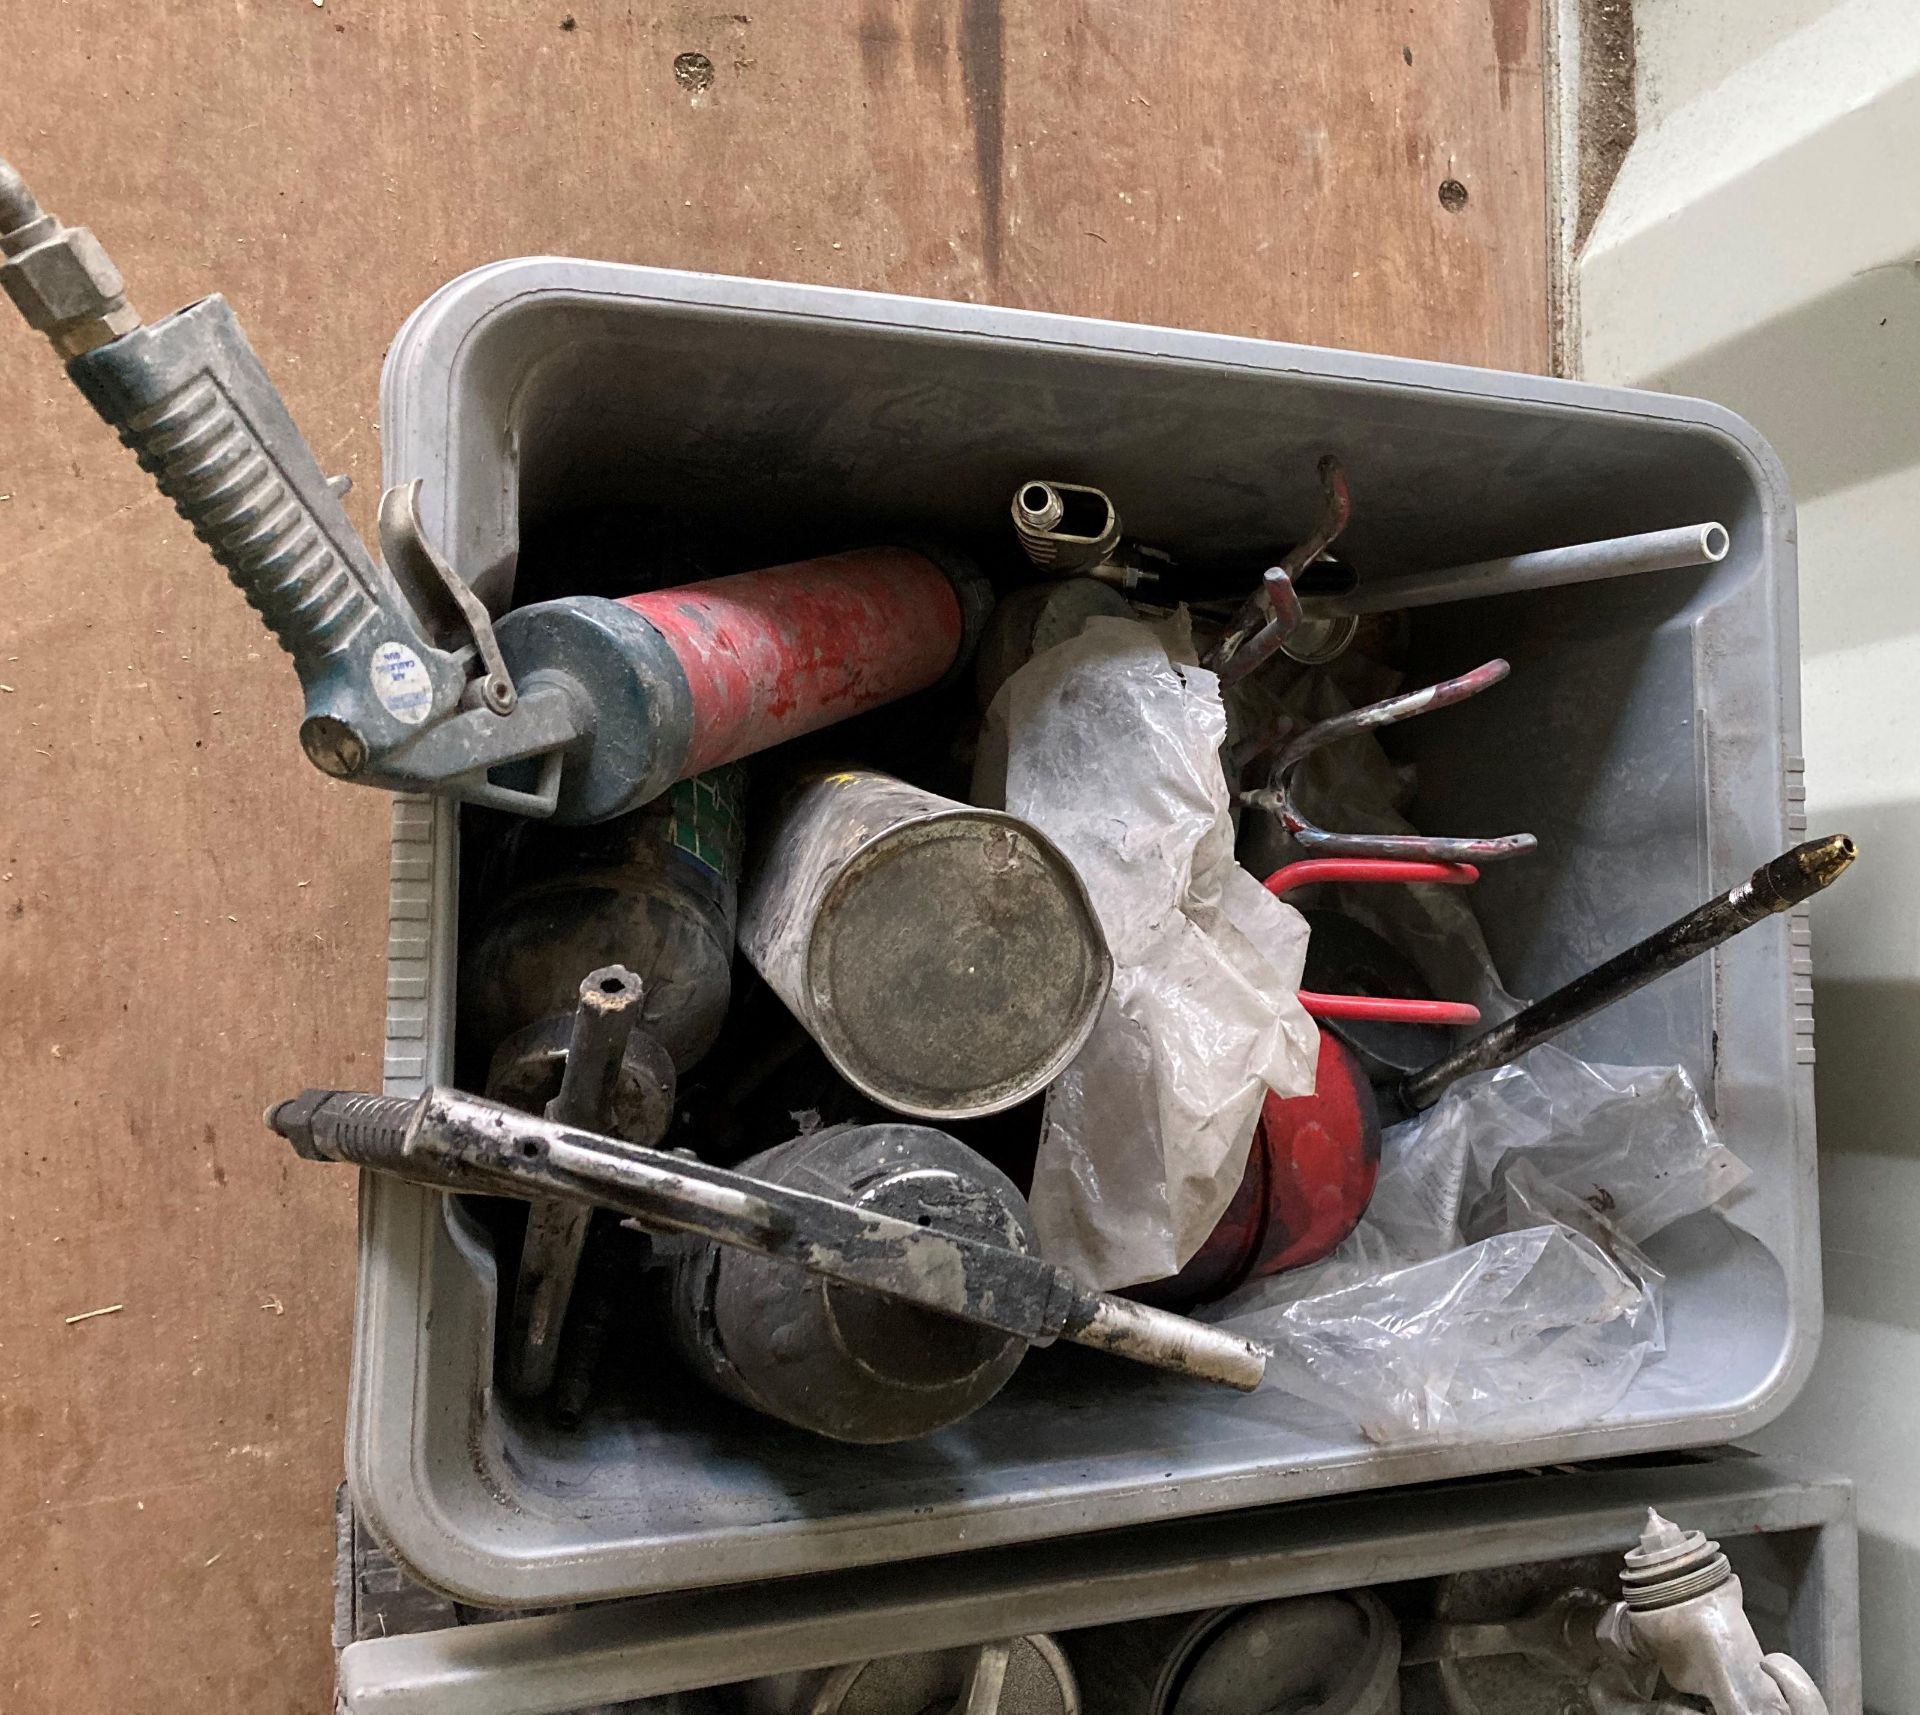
1584, 562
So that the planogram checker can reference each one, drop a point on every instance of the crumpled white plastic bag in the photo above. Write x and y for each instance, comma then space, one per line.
1496, 1285
1112, 745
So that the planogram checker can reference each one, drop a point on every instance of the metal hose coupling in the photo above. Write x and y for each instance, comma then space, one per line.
59, 277
1068, 529
1683, 1613
1671, 1565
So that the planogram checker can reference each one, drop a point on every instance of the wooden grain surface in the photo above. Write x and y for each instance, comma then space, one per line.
191, 919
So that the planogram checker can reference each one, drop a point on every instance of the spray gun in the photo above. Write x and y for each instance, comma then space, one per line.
409, 682
881, 1219
1681, 1624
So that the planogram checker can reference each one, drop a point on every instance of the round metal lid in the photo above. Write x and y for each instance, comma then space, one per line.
1037, 1682
1334, 1654
955, 965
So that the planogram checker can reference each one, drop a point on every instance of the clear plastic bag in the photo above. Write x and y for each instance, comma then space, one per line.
1633, 1143
1522, 1333
1496, 1285
1111, 748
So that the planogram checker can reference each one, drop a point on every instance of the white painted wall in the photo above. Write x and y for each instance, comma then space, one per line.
1762, 248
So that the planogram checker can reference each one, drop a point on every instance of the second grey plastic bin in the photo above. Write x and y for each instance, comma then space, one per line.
1647, 735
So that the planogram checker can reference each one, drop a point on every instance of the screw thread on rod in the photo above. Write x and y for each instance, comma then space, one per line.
345, 1125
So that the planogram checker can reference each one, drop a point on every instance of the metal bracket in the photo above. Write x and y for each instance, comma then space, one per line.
1419, 848
1272, 614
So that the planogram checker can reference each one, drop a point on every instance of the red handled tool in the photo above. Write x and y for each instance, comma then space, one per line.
1383, 1009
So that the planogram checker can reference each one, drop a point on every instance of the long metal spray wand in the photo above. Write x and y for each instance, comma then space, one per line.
459, 1142
1774, 887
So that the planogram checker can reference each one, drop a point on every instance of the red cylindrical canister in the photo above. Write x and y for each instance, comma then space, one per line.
1309, 1178
782, 651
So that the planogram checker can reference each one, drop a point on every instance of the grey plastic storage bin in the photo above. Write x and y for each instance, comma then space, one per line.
1646, 735
1788, 1530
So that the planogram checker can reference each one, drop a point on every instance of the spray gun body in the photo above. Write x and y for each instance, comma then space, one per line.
193, 402
1681, 1625
1683, 1612
407, 684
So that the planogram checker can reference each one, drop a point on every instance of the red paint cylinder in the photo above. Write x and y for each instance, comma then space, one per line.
775, 653
1310, 1175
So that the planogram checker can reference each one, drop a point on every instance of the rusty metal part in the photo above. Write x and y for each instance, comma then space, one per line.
1557, 1631
601, 1027
1786, 881
458, 1142
828, 1358
1272, 614
1321, 842
599, 1288
1067, 528
1514, 1639
946, 958
528, 1066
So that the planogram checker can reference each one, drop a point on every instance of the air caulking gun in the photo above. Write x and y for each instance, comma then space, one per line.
409, 682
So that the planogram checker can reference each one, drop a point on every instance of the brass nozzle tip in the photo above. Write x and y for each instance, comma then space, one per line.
1798, 875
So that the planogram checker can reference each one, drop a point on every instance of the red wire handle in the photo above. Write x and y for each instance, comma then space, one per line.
1309, 870
1383, 1009
1378, 1008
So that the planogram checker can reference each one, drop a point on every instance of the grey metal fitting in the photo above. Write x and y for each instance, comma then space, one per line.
60, 277
1684, 1612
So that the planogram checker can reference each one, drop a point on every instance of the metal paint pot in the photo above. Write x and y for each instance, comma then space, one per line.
1310, 1175
654, 890
1036, 1680
946, 959
844, 1363
1335, 1654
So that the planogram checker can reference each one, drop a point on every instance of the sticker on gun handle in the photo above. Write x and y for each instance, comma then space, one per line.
401, 682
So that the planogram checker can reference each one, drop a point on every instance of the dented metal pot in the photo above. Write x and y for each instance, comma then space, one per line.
834, 1359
